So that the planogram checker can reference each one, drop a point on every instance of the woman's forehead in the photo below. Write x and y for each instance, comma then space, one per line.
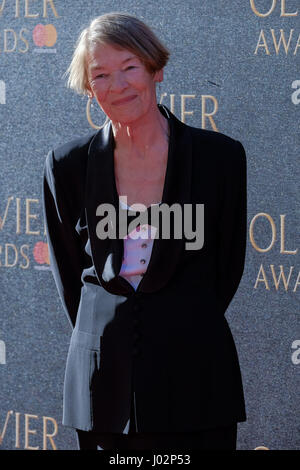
103, 54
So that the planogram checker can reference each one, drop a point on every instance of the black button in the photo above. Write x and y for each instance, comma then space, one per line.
136, 350
136, 322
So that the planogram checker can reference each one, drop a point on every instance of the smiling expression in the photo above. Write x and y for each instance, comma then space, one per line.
121, 84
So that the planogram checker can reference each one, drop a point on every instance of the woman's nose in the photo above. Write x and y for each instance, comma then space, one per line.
118, 82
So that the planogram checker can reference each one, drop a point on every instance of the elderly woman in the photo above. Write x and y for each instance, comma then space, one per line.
152, 362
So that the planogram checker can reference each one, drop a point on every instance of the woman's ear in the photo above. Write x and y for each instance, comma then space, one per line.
89, 91
159, 75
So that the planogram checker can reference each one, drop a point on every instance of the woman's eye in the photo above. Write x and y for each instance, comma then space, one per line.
130, 67
101, 75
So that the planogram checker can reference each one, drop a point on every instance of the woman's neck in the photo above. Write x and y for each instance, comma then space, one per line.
140, 136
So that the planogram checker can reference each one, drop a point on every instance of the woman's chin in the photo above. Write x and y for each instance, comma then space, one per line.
126, 120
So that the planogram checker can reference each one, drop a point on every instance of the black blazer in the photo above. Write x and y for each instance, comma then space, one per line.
168, 341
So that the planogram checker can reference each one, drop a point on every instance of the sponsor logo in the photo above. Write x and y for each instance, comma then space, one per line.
19, 38
41, 255
44, 35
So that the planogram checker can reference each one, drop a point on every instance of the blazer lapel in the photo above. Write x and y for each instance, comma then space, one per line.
107, 254
177, 189
100, 189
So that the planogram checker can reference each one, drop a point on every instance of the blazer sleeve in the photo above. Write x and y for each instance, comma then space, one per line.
65, 251
232, 232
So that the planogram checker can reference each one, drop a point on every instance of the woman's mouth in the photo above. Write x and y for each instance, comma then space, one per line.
124, 100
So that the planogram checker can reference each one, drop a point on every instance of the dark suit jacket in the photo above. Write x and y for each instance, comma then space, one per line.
169, 340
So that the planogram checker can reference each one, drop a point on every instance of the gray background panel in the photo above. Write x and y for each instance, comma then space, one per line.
212, 46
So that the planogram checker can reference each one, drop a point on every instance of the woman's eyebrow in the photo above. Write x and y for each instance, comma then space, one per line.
99, 67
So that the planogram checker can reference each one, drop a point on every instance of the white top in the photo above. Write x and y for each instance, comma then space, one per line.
137, 251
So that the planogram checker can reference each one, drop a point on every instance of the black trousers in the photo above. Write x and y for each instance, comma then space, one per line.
221, 438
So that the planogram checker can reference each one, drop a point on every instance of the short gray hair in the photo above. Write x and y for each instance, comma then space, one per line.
121, 30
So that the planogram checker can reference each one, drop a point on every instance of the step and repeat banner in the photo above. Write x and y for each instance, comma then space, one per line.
234, 68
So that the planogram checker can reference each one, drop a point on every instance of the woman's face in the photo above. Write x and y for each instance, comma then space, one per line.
121, 84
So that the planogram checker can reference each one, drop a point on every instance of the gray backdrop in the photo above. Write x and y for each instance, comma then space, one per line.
229, 57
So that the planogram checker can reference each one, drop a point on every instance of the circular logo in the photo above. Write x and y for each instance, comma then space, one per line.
41, 253
44, 35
